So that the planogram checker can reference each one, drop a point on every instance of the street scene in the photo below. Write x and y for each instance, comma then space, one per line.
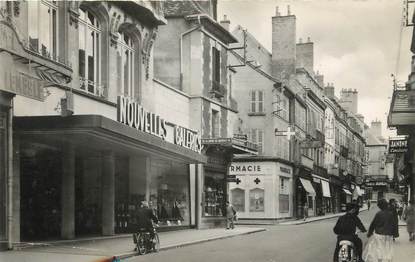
202, 130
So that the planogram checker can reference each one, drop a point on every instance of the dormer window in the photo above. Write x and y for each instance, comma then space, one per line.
42, 27
89, 50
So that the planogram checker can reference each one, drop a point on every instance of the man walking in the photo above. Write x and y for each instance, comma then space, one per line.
230, 216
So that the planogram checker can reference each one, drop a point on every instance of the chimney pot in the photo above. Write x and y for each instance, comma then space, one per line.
225, 17
277, 12
288, 10
300, 40
308, 39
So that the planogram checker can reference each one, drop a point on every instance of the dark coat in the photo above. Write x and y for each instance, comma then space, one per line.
145, 218
384, 223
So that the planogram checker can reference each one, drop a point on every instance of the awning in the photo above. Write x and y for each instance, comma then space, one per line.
98, 133
347, 191
326, 188
308, 187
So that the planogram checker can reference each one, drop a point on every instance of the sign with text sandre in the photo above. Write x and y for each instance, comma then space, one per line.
131, 113
398, 145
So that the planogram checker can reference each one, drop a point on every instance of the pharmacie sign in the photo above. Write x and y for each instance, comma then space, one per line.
398, 145
131, 113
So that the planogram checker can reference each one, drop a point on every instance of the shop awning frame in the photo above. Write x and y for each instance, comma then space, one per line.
308, 186
97, 132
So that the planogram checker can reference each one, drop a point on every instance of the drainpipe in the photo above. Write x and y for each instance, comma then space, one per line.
10, 179
198, 27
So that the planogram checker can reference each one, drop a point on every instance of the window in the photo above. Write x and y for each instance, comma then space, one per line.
125, 66
257, 137
300, 116
238, 199
42, 27
214, 194
89, 50
256, 200
215, 123
257, 101
215, 65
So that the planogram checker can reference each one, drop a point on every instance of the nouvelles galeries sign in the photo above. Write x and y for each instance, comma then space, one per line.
131, 113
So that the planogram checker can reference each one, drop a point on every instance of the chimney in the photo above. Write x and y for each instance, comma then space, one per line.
320, 79
376, 128
305, 56
225, 23
283, 45
349, 100
329, 91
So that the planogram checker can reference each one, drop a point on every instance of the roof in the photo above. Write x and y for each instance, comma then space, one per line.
181, 8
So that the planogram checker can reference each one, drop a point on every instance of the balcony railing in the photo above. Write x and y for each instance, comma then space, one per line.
218, 90
320, 137
321, 171
344, 151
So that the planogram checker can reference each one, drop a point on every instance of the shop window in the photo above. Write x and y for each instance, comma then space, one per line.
284, 195
256, 200
257, 101
42, 27
89, 50
310, 202
214, 191
238, 199
126, 61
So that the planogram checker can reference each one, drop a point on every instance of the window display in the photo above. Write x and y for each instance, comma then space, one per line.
214, 190
238, 199
256, 200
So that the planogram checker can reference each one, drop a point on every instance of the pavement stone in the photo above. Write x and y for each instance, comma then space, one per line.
404, 250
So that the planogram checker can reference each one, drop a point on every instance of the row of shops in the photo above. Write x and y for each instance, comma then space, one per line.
269, 190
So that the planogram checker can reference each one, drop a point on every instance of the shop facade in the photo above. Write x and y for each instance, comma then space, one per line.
261, 189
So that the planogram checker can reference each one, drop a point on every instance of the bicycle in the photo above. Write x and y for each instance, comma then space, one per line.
146, 241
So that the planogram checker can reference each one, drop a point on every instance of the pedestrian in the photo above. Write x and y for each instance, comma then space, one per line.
382, 230
305, 210
368, 204
400, 209
230, 216
409, 217
393, 207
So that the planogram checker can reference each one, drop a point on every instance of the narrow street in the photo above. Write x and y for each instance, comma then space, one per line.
295, 243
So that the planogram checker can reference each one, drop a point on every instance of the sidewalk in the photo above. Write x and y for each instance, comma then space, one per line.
98, 249
404, 250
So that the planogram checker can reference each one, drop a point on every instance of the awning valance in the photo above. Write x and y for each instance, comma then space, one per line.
308, 187
326, 188
347, 191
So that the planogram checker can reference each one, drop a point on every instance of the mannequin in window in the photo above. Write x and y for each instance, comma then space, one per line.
176, 212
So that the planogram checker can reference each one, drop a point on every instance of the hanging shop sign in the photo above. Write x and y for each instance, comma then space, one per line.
131, 113
398, 145
285, 170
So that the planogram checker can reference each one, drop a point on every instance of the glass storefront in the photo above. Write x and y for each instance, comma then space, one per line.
169, 192
214, 194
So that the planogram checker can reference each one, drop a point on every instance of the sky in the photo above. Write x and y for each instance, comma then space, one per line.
356, 43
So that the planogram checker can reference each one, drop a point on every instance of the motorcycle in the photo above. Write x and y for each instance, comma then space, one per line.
347, 252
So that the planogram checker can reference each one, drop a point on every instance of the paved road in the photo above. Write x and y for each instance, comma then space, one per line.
295, 243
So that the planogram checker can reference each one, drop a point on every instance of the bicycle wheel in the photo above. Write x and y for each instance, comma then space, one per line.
141, 244
156, 243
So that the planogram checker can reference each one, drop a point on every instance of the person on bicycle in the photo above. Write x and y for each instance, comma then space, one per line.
145, 218
345, 229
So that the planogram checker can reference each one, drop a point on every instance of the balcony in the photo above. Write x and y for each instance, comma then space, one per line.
235, 145
320, 171
320, 137
307, 162
218, 90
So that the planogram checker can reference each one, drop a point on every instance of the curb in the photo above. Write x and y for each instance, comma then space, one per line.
315, 219
189, 243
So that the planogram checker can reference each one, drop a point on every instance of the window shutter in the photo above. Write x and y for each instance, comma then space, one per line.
253, 101
260, 101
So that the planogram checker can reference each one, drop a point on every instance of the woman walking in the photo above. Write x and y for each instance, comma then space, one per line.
409, 217
382, 230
